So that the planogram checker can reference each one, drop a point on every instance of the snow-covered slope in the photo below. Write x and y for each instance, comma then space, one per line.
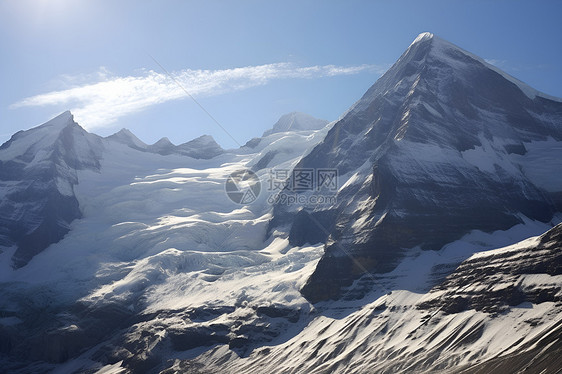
500, 309
440, 145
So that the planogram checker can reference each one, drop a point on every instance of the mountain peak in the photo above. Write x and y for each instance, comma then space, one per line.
205, 139
163, 142
40, 137
38, 171
445, 51
62, 120
440, 119
204, 147
125, 136
431, 59
438, 43
296, 121
423, 36
125, 131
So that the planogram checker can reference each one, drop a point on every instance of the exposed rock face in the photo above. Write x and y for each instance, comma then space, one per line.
493, 281
496, 281
437, 147
37, 172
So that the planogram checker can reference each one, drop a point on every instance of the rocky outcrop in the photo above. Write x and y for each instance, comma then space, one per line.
494, 281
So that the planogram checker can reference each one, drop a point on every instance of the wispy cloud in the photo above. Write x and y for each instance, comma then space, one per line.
496, 62
106, 97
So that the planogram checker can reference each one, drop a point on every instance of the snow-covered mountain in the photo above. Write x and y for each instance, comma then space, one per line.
441, 252
38, 172
440, 145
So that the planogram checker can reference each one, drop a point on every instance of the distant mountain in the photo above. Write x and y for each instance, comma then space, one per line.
163, 146
204, 147
296, 121
440, 145
291, 123
124, 136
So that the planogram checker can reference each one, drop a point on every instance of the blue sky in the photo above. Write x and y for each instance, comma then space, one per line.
245, 62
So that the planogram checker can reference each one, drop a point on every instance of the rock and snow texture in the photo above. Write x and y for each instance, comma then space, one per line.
440, 145
498, 312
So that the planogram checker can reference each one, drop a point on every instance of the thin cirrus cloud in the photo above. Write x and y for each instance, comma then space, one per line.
102, 102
